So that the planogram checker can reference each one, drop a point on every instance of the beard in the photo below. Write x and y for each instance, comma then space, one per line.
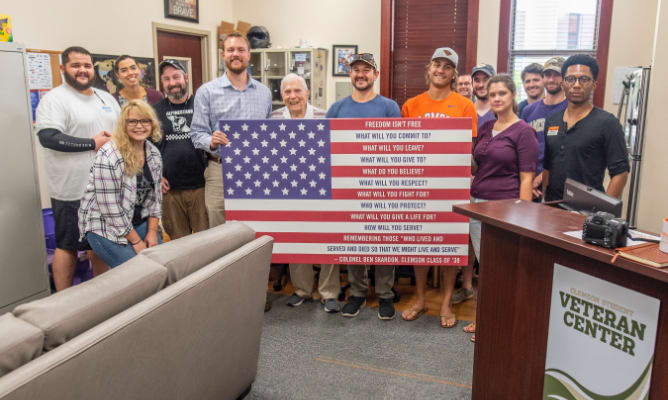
72, 81
362, 85
176, 96
553, 91
481, 97
228, 65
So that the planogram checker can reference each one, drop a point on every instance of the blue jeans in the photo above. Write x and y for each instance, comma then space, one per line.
115, 254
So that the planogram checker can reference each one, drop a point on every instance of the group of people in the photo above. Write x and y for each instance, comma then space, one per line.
113, 173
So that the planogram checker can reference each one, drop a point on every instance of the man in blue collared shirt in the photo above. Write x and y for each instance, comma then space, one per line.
235, 95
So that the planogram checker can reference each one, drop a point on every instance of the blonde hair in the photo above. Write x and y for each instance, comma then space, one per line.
133, 163
453, 84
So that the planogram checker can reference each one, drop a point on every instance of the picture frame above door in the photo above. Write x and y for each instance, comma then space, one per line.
185, 10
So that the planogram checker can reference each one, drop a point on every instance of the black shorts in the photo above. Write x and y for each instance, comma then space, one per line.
66, 218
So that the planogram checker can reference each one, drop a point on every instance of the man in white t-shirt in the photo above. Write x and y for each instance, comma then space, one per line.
73, 121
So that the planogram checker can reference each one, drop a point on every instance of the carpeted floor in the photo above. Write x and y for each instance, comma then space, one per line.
309, 354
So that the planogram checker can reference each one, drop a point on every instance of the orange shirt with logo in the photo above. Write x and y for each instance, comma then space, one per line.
453, 106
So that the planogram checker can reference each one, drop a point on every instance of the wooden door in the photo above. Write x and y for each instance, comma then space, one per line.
180, 45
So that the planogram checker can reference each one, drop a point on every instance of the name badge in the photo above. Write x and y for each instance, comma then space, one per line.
552, 131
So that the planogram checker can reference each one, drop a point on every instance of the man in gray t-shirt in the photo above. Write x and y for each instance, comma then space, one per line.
73, 121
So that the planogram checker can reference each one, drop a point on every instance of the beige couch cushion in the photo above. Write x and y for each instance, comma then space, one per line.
186, 255
196, 339
20, 342
70, 312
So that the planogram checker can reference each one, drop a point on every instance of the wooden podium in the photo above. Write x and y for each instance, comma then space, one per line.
521, 242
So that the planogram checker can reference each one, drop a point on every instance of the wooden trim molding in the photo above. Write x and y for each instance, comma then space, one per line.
605, 20
472, 35
504, 37
386, 11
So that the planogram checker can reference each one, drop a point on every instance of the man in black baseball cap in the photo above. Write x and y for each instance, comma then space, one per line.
183, 206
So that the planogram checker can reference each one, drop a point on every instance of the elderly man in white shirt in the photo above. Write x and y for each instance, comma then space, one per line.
295, 95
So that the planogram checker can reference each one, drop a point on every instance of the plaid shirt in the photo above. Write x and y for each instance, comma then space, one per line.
108, 203
218, 99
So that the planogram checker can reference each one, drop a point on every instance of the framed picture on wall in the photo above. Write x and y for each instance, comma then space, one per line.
106, 79
186, 10
341, 58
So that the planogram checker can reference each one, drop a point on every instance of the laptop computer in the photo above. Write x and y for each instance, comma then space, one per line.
585, 199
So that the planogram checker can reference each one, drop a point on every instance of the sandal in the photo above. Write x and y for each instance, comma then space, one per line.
448, 320
473, 338
413, 313
470, 328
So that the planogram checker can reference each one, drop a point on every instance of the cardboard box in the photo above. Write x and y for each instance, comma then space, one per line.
243, 27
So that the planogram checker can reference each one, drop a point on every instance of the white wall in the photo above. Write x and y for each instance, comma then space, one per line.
322, 23
118, 27
653, 200
488, 31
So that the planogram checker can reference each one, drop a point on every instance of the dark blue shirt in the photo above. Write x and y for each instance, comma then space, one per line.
535, 115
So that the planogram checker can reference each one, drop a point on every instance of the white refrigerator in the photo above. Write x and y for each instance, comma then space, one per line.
23, 267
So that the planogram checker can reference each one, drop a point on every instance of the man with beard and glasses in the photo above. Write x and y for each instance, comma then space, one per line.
183, 207
583, 140
480, 75
464, 86
366, 103
535, 114
532, 81
234, 95
440, 101
73, 121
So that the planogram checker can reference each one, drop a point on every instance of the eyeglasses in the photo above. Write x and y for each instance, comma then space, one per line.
133, 122
582, 79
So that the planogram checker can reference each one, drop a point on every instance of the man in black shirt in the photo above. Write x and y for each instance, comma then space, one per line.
583, 140
183, 208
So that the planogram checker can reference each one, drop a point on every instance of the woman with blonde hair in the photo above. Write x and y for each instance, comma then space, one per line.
122, 203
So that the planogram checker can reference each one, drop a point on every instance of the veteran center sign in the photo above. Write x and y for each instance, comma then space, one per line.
353, 191
601, 339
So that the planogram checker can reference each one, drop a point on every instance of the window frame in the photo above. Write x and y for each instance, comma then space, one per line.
602, 47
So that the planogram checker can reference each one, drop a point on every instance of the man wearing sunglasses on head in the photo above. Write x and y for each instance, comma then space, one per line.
583, 140
365, 103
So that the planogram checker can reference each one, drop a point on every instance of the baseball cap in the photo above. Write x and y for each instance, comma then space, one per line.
447, 53
363, 57
170, 63
485, 68
554, 64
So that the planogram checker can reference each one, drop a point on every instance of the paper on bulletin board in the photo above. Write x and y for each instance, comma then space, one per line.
39, 71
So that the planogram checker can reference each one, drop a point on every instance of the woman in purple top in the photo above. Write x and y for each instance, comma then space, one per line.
504, 156
128, 74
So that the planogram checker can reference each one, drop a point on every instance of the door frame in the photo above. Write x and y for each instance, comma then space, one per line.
205, 42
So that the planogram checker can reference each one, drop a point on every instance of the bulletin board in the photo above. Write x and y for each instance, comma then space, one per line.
43, 74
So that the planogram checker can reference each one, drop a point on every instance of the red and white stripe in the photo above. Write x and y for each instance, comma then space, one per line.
394, 182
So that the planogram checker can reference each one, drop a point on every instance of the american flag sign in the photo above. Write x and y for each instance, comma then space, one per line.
352, 191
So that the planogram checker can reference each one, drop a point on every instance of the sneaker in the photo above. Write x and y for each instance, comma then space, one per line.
353, 306
295, 300
386, 309
331, 306
461, 295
